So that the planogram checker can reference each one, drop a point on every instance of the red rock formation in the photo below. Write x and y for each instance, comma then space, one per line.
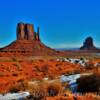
20, 31
88, 44
25, 31
28, 43
38, 36
29, 31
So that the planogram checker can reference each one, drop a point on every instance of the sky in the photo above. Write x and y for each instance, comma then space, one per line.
63, 23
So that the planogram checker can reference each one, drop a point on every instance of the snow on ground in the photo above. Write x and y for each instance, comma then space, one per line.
15, 96
82, 61
70, 78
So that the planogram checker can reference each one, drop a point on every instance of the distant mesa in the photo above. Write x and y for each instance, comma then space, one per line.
28, 43
88, 44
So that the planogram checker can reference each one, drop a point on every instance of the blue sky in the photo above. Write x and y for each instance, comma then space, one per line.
63, 23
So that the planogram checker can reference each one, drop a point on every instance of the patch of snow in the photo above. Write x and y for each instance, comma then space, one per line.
69, 78
82, 62
16, 96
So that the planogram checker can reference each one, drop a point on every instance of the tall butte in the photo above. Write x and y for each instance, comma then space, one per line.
28, 43
26, 32
88, 44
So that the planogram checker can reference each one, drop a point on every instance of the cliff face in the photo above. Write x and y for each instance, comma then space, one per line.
88, 44
26, 32
28, 43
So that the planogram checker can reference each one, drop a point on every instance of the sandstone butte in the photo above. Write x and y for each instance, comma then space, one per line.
28, 43
88, 44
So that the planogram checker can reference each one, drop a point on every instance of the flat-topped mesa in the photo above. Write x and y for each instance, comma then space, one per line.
26, 32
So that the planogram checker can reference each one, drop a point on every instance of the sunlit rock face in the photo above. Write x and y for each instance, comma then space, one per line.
88, 44
26, 32
27, 43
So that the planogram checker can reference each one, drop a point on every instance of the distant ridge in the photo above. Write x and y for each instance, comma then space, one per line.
61, 49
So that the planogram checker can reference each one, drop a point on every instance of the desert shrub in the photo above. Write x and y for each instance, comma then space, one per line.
14, 74
38, 69
43, 89
41, 60
58, 65
45, 68
20, 85
17, 65
14, 59
89, 65
77, 71
89, 84
1, 74
76, 62
54, 89
81, 58
37, 91
14, 90
51, 76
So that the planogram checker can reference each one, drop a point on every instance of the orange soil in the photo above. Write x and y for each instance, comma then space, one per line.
13, 72
85, 97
